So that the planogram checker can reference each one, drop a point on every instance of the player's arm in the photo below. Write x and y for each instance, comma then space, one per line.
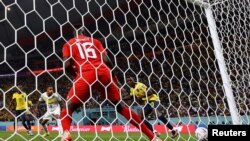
68, 62
108, 62
151, 92
127, 97
68, 66
60, 101
11, 103
38, 104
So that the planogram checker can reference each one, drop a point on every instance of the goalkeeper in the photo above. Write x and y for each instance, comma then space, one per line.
151, 101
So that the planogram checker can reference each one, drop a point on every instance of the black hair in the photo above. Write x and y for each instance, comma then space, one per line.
79, 31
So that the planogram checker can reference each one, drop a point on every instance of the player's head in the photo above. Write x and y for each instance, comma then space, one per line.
130, 81
80, 31
50, 90
19, 88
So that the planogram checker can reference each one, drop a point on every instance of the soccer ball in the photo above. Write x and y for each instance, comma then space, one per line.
201, 133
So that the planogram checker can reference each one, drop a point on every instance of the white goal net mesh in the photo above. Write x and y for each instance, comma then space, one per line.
164, 44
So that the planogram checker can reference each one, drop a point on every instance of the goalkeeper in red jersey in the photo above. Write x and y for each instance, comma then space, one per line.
150, 101
86, 60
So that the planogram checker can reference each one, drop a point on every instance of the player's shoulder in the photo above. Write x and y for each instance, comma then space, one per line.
15, 93
140, 84
44, 94
69, 42
96, 40
55, 94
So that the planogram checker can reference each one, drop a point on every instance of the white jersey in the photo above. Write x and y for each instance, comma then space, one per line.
52, 101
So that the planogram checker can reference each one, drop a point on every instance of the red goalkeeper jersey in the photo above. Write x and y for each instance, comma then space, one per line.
86, 53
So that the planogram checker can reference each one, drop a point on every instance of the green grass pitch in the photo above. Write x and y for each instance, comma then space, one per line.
86, 136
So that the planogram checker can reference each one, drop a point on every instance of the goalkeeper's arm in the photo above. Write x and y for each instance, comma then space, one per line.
127, 97
69, 67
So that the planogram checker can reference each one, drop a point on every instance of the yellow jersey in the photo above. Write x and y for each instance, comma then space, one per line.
140, 91
151, 98
30, 105
20, 100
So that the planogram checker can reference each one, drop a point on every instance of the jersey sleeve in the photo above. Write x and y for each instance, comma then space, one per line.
30, 104
131, 91
143, 87
41, 98
66, 50
100, 47
14, 96
25, 95
58, 97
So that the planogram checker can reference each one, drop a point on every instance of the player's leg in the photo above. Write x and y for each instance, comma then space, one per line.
28, 119
134, 119
59, 124
21, 114
78, 93
162, 118
114, 97
44, 125
24, 120
46, 118
148, 109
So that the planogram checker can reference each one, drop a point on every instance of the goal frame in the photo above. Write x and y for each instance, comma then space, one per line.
227, 85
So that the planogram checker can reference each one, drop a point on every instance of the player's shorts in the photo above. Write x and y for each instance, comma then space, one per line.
151, 105
84, 86
21, 114
51, 114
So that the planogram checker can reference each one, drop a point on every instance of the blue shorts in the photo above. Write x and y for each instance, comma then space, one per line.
151, 105
20, 114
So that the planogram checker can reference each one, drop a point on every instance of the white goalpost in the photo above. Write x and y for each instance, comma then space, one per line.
220, 58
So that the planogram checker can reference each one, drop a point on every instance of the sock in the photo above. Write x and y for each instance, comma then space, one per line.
24, 125
136, 120
14, 124
165, 121
59, 124
66, 119
28, 125
149, 125
45, 128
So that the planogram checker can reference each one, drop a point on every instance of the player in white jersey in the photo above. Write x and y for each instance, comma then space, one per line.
53, 102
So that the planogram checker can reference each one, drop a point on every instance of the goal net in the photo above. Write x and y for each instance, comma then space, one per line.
193, 53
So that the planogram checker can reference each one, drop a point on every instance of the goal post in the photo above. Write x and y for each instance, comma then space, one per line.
220, 59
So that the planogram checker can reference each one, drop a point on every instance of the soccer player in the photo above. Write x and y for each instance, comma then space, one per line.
21, 105
53, 102
150, 99
29, 111
86, 60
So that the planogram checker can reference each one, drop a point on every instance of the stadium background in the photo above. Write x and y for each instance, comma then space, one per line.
165, 45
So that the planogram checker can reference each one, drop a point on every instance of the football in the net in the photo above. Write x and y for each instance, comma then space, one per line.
201, 133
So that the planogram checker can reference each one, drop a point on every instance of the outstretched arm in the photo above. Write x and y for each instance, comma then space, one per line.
127, 97
11, 103
37, 106
68, 66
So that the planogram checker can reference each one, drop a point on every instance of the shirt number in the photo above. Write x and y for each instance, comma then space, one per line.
85, 50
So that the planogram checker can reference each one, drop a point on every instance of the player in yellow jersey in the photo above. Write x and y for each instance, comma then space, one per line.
21, 105
150, 100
